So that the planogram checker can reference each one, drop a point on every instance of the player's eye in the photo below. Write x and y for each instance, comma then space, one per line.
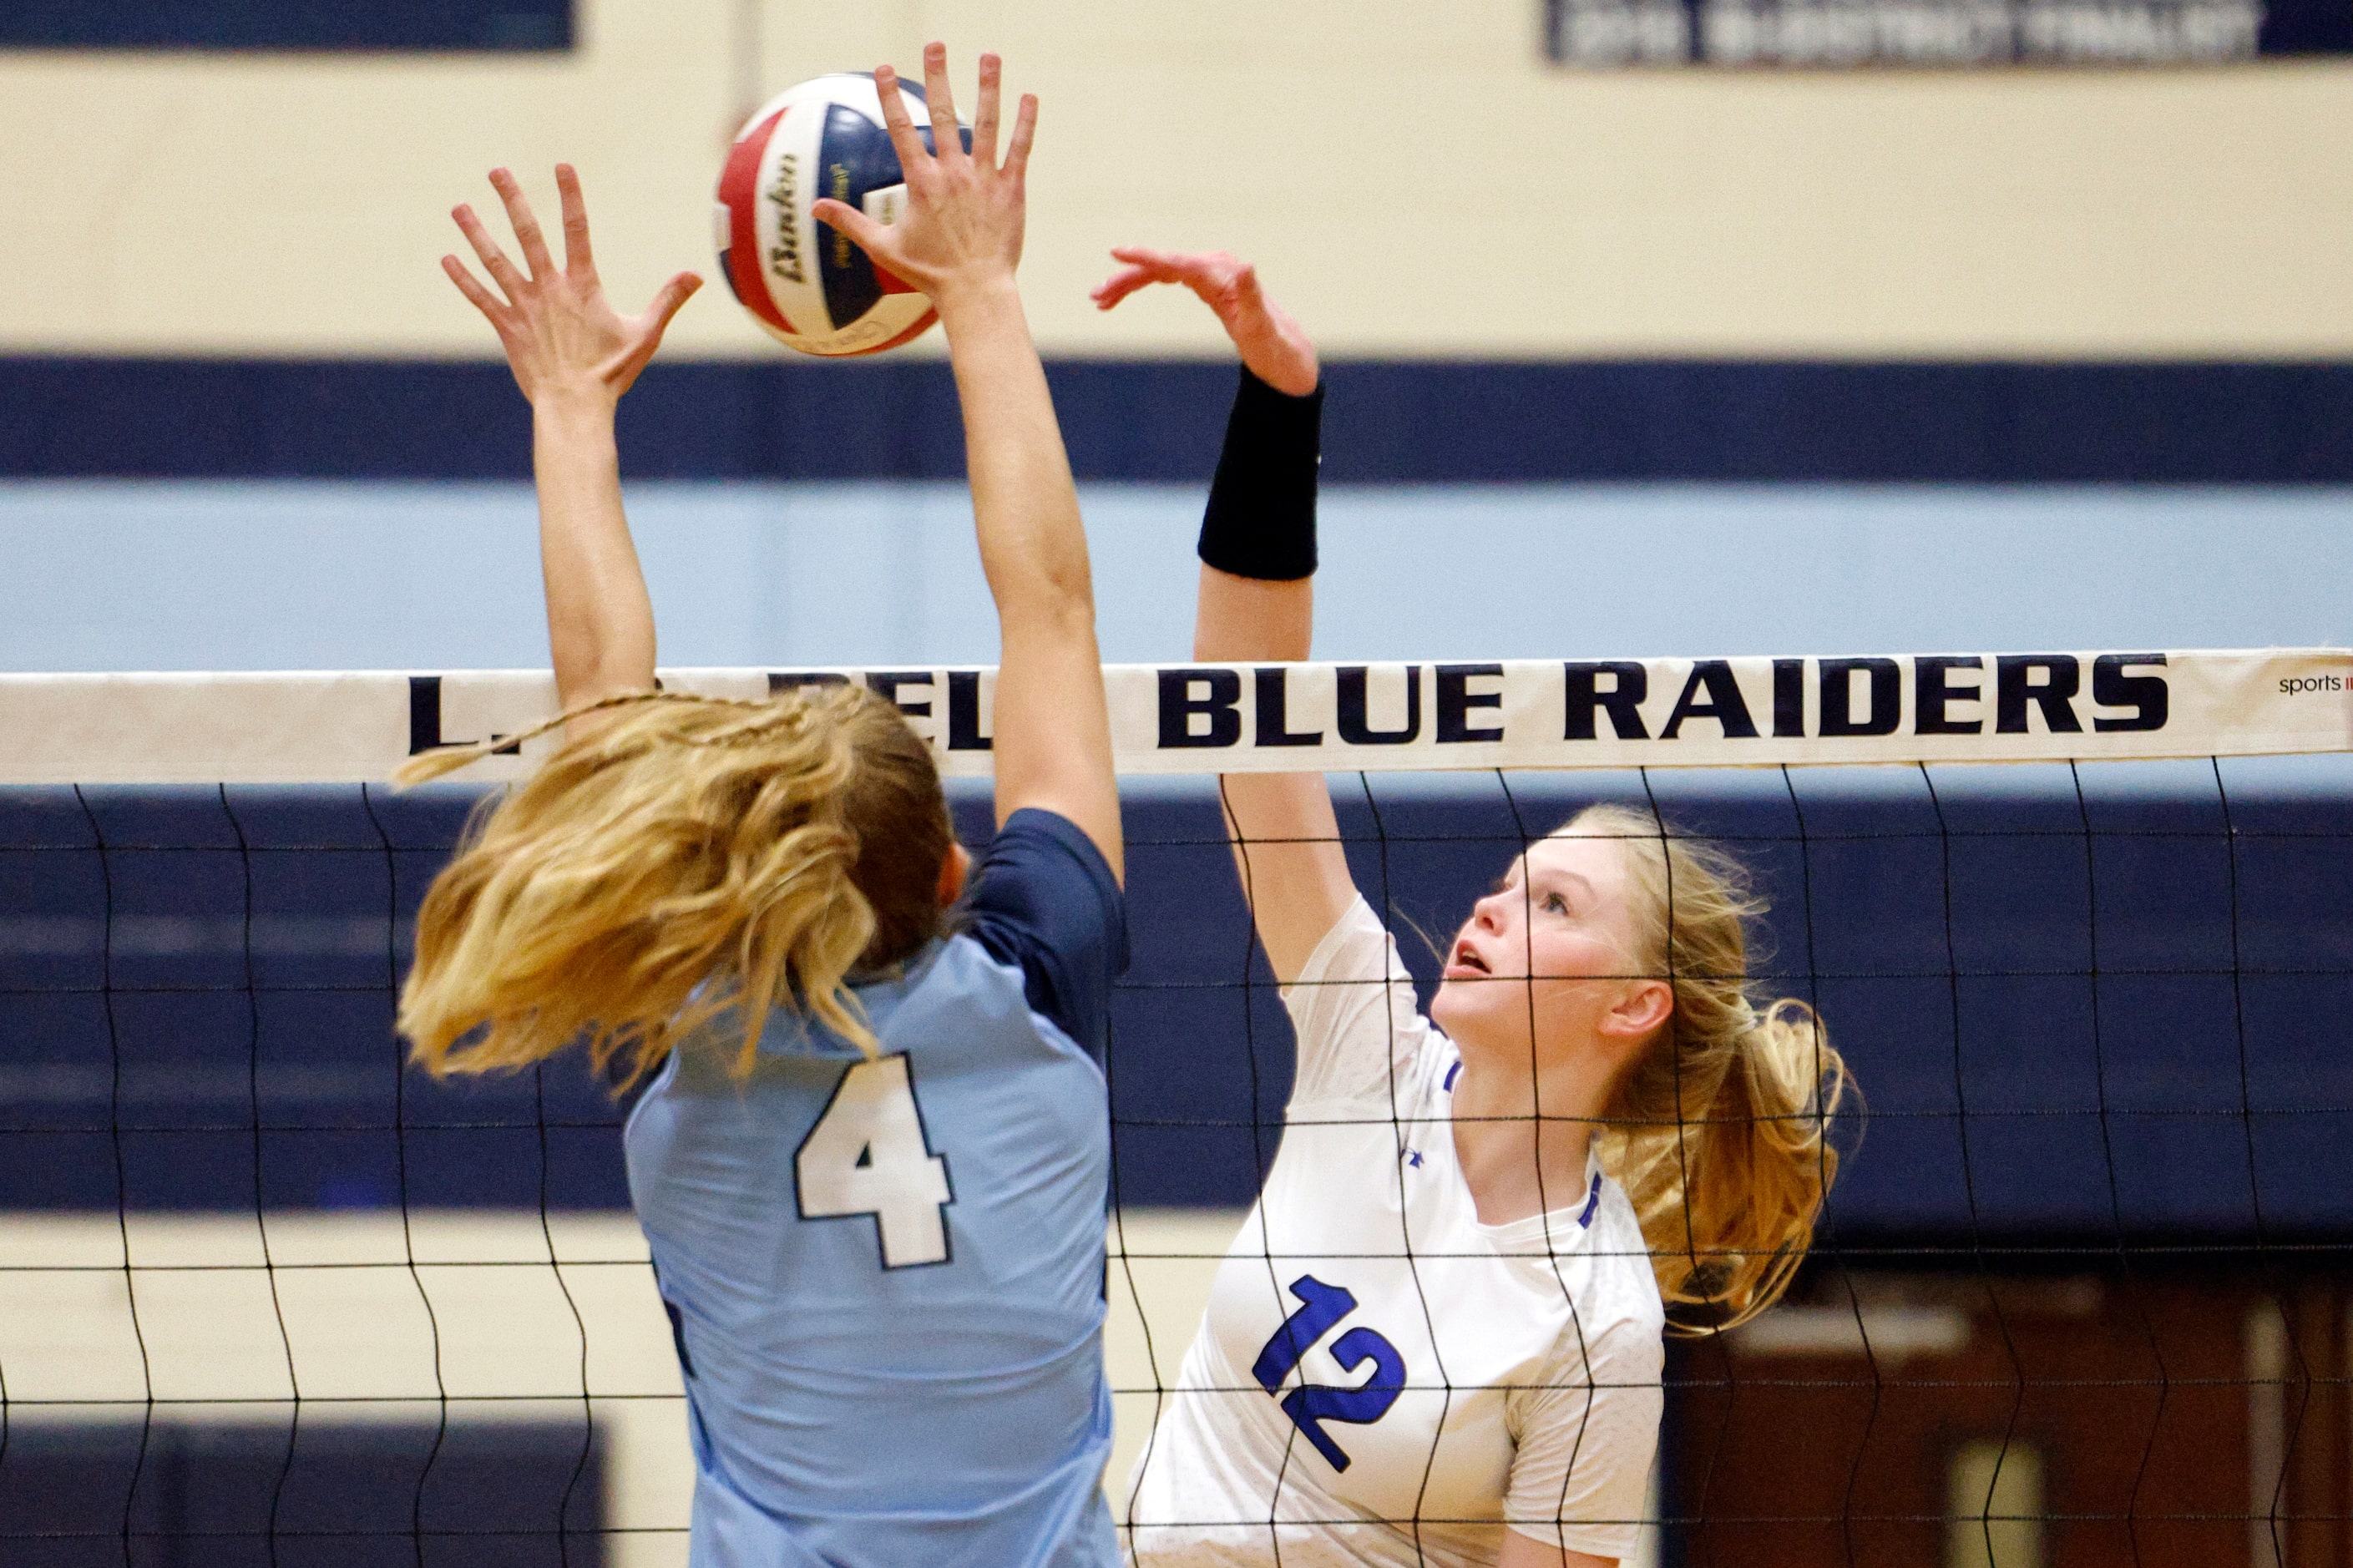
1555, 904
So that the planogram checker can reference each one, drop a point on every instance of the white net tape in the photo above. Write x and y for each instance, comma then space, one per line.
325, 728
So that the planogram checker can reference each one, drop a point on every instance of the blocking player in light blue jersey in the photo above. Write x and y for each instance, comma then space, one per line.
873, 1156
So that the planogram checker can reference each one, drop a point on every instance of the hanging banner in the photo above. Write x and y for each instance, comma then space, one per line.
1272, 718
1814, 34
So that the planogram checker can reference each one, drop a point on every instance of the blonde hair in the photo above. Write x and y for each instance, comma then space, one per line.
1719, 1133
689, 856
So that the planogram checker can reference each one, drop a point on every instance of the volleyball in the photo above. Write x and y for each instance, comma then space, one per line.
804, 283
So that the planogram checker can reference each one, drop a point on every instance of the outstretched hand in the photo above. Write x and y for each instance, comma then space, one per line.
1272, 345
561, 334
963, 223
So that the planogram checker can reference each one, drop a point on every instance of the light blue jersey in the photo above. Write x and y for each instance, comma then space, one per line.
887, 1277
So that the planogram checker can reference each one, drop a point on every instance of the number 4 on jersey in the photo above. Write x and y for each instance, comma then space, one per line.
867, 1156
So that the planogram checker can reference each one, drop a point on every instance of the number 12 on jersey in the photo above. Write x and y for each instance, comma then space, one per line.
1311, 1404
867, 1156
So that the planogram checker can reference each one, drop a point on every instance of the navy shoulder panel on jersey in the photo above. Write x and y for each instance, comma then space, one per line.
1044, 899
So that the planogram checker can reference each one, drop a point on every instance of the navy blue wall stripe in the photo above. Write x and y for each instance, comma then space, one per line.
1386, 422
425, 25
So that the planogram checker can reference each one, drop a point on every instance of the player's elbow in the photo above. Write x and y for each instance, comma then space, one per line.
1058, 602
601, 674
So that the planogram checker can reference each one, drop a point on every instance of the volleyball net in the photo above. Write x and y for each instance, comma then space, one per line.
2080, 923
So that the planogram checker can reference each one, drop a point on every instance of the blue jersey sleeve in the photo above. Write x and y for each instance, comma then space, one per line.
1043, 899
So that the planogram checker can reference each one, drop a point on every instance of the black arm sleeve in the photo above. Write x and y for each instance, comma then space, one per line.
1261, 517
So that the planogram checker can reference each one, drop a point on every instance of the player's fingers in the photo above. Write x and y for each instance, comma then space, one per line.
476, 293
1120, 285
947, 142
1125, 277
984, 115
914, 163
1247, 292
674, 293
864, 233
1210, 275
525, 222
1025, 130
579, 258
494, 260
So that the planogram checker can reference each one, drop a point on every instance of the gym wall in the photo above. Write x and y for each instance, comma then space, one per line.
1414, 180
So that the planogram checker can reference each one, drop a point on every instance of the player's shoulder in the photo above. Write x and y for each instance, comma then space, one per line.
1620, 1339
959, 975
1623, 1289
1034, 846
1356, 947
1427, 1089
962, 960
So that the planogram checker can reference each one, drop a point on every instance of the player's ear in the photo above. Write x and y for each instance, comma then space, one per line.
1640, 1013
955, 867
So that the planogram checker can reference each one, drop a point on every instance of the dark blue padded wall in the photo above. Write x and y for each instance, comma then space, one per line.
200, 1058
331, 25
2060, 1033
316, 1494
1386, 421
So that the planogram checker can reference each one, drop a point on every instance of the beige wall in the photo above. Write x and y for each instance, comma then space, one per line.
205, 1313
1413, 179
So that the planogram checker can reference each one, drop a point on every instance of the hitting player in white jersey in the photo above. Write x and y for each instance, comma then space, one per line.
1436, 1338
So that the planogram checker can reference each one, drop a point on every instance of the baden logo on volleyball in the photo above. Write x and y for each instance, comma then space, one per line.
784, 256
807, 286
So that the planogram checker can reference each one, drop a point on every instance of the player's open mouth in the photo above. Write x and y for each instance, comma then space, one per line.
1465, 961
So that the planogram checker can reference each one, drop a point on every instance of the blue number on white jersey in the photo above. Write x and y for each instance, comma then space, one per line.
867, 1155
1311, 1404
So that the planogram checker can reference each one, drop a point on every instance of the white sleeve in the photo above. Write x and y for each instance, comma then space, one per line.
1583, 1466
1352, 1010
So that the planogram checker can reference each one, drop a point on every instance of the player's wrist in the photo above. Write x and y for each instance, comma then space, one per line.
1260, 519
1285, 366
983, 289
568, 403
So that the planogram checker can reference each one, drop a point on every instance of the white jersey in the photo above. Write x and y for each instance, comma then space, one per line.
1380, 1378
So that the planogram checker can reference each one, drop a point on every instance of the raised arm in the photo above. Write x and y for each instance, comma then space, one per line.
574, 357
1257, 588
959, 242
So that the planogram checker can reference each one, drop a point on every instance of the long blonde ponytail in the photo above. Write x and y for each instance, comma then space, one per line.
1720, 1133
689, 857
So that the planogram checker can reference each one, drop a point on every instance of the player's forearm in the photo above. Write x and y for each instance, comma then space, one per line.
600, 622
1256, 603
1053, 735
1258, 533
1033, 547
1249, 618
1286, 839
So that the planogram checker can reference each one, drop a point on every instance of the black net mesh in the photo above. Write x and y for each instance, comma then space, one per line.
2080, 1296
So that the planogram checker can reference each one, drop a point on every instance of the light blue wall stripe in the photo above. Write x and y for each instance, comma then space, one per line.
200, 575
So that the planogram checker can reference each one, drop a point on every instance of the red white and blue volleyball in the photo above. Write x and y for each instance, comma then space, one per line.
807, 284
